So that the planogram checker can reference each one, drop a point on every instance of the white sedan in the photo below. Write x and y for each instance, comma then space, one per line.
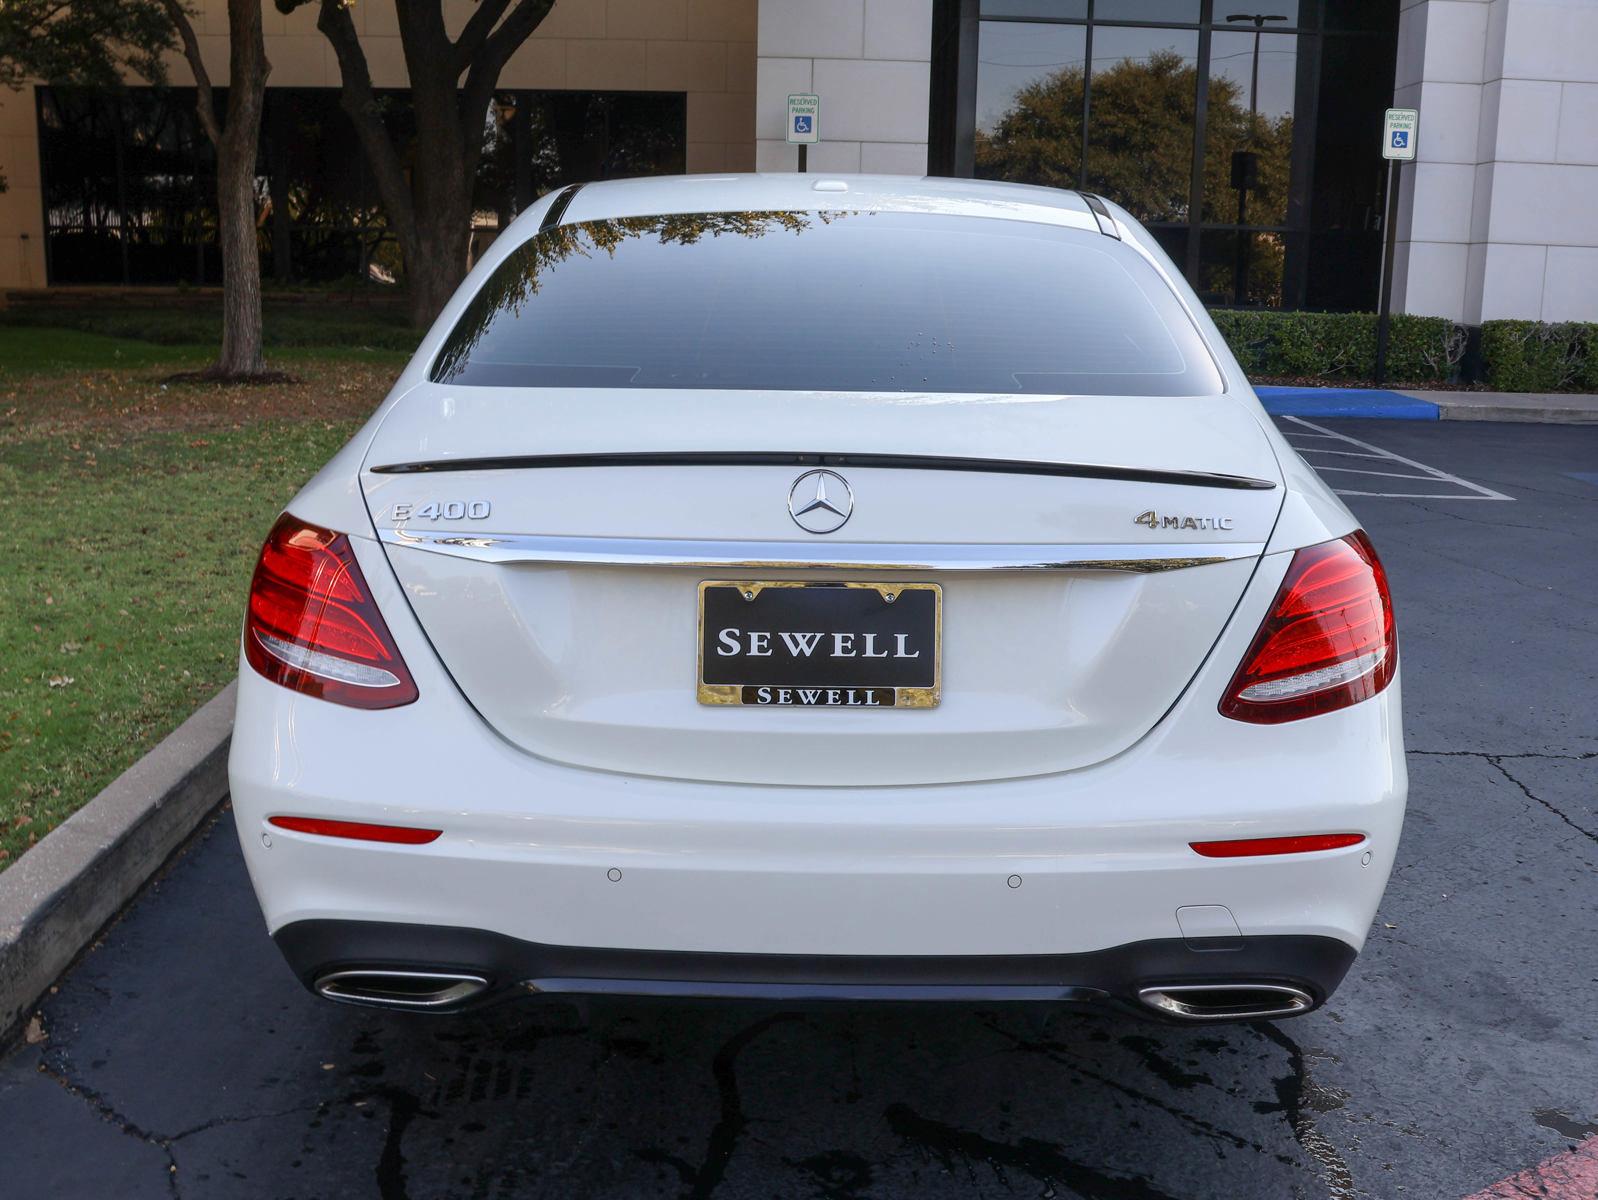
809, 587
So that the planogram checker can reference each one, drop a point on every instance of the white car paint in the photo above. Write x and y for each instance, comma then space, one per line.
588, 801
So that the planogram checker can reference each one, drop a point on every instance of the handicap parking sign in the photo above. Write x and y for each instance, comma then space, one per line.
1399, 134
804, 118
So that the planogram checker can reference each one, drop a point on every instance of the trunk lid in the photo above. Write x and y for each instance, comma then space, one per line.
1089, 552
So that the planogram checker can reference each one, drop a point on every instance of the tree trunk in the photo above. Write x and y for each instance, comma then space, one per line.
435, 263
241, 263
235, 194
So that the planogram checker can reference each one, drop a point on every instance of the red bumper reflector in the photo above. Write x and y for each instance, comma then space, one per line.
1251, 847
403, 835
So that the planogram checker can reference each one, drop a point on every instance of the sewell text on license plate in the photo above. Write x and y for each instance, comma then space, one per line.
820, 645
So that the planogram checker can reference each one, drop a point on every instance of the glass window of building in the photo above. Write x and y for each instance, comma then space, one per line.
1142, 103
129, 179
1243, 137
1030, 90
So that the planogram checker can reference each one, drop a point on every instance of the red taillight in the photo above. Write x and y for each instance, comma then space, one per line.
1328, 642
1253, 847
401, 835
312, 625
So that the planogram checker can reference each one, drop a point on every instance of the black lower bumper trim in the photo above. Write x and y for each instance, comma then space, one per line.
1113, 975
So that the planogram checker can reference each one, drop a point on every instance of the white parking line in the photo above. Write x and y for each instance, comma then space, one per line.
1307, 429
1357, 471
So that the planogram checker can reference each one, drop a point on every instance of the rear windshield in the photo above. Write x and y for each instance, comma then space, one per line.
827, 301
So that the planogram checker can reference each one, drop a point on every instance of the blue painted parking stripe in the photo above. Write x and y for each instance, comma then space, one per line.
1345, 402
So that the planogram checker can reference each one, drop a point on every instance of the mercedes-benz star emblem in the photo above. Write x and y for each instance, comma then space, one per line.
820, 501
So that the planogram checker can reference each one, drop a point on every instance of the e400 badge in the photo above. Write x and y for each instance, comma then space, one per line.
442, 510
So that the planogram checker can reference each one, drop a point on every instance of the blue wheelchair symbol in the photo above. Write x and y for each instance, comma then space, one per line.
1400, 139
801, 124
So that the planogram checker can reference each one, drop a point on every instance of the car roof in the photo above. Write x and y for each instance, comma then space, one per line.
792, 192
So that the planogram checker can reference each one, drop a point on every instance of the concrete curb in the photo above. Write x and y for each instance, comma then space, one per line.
1527, 407
60, 894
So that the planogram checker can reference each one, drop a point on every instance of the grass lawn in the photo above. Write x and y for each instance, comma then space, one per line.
135, 510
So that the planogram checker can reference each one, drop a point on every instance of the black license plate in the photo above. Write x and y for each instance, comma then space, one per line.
820, 645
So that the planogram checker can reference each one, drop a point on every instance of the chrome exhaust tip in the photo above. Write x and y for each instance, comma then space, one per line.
400, 989
1226, 1001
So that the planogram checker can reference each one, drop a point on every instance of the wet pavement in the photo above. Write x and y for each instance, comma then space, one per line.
180, 1059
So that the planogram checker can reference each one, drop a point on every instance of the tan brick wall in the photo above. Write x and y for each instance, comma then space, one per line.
705, 48
21, 205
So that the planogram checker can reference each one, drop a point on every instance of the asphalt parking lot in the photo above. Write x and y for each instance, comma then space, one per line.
180, 1059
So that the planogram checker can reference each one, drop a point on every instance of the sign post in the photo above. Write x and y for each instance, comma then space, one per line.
1399, 133
804, 125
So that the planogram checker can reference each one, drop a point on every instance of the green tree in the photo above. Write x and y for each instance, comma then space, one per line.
1140, 149
86, 42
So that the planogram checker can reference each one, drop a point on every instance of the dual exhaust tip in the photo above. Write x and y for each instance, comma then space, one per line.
1226, 1001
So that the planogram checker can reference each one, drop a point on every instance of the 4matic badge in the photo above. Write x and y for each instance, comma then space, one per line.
1156, 520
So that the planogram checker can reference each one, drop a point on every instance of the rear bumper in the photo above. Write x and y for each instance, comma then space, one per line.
1051, 865
1047, 880
1113, 977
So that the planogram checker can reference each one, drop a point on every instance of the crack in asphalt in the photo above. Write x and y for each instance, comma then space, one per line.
1541, 589
109, 1113
1498, 762
1578, 756
1292, 1090
390, 1167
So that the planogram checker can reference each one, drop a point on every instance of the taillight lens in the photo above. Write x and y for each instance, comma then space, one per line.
312, 625
1328, 642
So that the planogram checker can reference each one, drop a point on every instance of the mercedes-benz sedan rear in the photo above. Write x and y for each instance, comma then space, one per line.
821, 588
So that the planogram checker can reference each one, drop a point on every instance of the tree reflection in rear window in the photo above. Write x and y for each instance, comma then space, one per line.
827, 301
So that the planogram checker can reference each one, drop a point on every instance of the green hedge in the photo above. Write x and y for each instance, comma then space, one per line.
1530, 356
1342, 346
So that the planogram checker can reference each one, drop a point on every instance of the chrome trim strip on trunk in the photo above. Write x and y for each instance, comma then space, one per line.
784, 458
832, 556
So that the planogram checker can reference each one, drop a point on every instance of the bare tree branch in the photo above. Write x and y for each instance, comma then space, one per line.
204, 104
487, 64
360, 103
476, 32
429, 205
